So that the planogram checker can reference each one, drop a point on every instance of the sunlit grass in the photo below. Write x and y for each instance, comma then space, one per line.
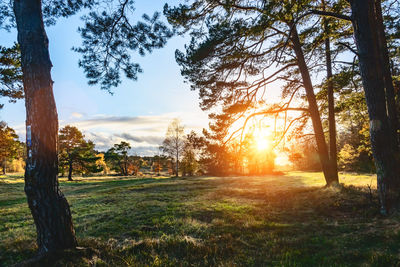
355, 179
288, 220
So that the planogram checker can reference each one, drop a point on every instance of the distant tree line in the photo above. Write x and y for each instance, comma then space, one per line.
79, 156
193, 154
185, 154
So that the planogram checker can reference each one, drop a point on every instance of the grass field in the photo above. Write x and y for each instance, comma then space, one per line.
288, 220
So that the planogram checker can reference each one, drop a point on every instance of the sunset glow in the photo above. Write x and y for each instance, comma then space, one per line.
263, 137
262, 144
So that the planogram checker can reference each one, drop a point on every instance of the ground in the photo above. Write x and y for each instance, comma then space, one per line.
287, 220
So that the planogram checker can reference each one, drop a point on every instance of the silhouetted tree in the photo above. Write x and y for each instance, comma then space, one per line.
374, 64
378, 87
234, 40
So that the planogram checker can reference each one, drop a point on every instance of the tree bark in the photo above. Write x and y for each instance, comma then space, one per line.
387, 76
330, 174
49, 208
365, 33
331, 100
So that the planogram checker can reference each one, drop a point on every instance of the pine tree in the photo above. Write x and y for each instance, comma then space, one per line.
118, 157
109, 36
11, 73
75, 152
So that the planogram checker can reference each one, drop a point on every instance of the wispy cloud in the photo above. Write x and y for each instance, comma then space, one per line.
141, 139
76, 115
105, 121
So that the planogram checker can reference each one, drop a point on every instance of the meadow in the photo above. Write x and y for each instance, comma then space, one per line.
277, 220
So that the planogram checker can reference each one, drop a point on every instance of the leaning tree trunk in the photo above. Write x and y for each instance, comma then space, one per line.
331, 175
365, 33
49, 208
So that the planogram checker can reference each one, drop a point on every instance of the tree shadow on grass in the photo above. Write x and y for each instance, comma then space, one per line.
251, 221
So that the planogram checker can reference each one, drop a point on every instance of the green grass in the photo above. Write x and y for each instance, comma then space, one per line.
289, 220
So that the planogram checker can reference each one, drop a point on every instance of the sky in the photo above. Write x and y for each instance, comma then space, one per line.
138, 112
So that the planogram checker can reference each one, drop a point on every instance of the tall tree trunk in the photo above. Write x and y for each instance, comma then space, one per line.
387, 76
365, 32
330, 174
70, 170
331, 100
49, 208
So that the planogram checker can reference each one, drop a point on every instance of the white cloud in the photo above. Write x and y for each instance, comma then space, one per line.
144, 133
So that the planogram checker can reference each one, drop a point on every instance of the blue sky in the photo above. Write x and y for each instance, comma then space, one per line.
138, 112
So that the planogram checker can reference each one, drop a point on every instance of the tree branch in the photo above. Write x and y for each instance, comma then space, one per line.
269, 112
349, 47
331, 14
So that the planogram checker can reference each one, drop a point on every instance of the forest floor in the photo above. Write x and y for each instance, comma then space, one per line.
287, 220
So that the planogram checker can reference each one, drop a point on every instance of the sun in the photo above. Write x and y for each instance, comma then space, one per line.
262, 139
262, 143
